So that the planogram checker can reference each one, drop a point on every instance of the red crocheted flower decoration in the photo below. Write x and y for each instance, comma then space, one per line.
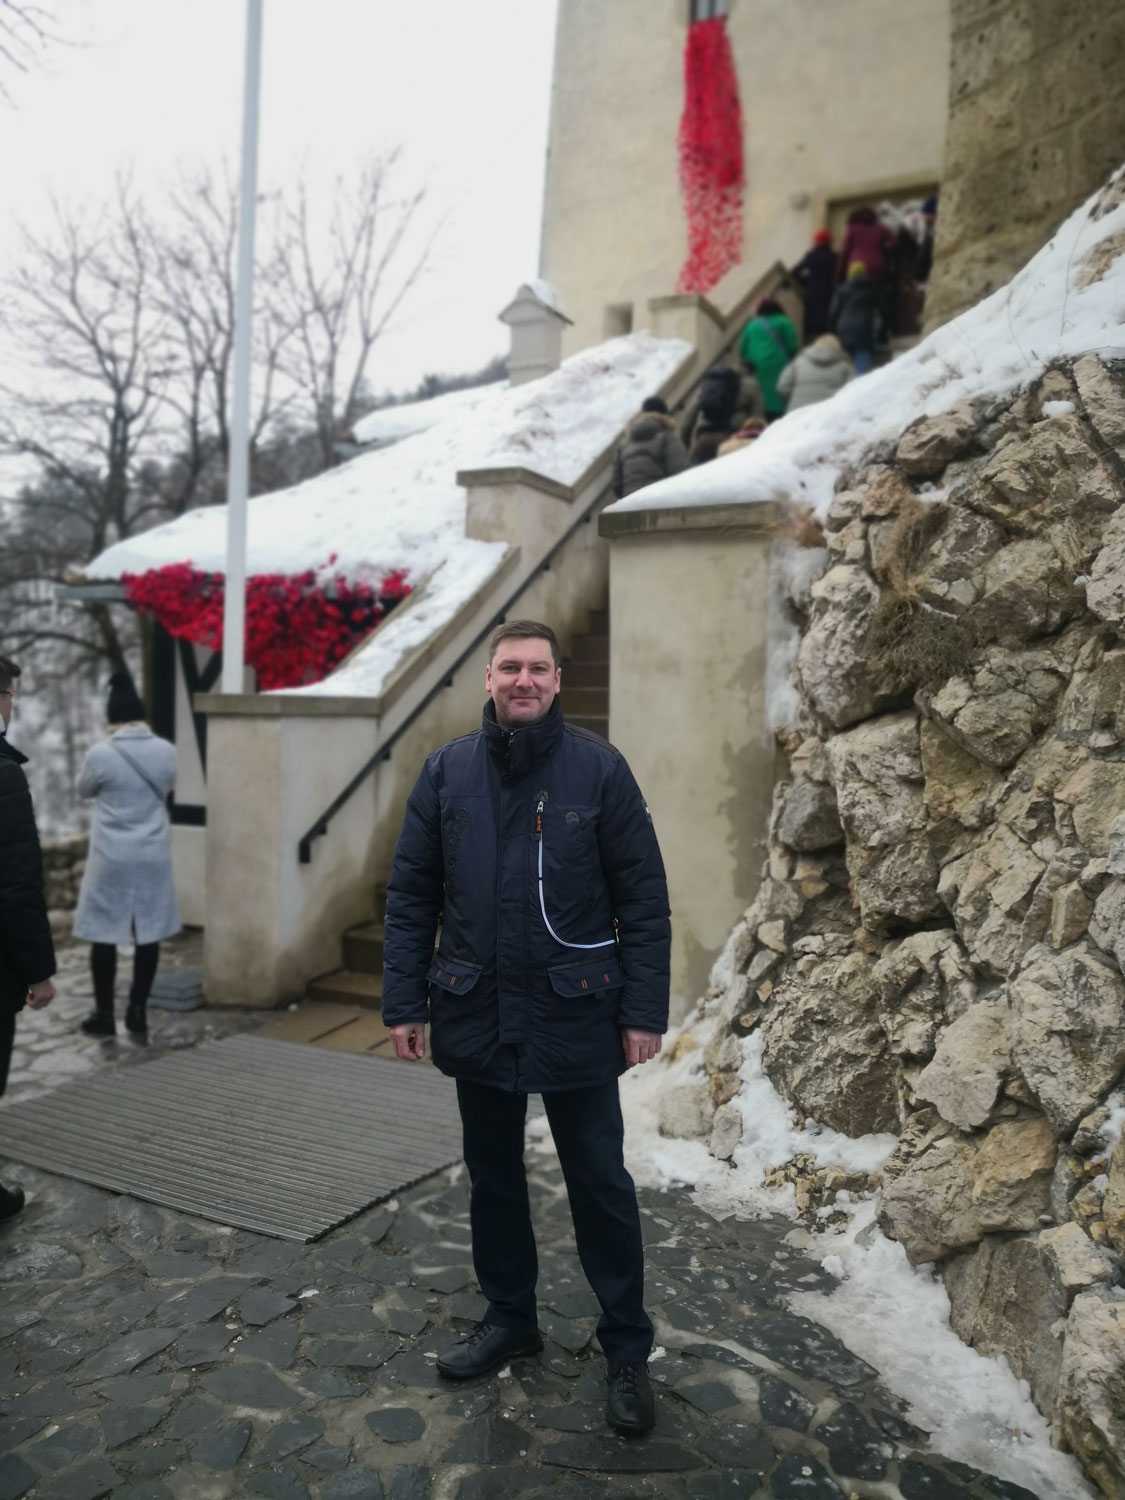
712, 174
297, 627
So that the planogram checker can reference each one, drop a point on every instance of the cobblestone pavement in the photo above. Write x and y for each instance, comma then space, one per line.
146, 1355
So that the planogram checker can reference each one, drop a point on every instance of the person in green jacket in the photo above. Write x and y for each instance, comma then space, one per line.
768, 343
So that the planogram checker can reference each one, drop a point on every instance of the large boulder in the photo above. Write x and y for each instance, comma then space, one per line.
1113, 1204
949, 1190
930, 443
1004, 1300
1028, 590
824, 1048
1068, 1029
958, 786
809, 817
877, 770
832, 659
923, 982
1107, 925
1089, 1414
1094, 794
1051, 480
1012, 1296
1003, 700
989, 890
1105, 589
1103, 396
969, 1067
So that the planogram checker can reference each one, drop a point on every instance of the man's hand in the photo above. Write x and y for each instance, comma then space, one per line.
410, 1041
41, 994
640, 1046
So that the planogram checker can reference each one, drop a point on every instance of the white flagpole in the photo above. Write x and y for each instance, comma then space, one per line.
238, 479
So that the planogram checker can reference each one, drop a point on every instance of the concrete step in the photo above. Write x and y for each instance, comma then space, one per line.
590, 648
363, 949
584, 674
345, 987
597, 622
595, 724
585, 702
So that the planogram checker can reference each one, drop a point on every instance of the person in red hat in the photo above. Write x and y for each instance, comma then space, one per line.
816, 275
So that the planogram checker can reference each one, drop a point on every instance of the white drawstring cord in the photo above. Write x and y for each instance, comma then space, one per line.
609, 942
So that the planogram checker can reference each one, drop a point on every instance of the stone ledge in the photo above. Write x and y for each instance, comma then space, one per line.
755, 516
290, 705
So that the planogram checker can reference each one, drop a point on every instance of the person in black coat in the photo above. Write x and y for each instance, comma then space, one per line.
27, 954
856, 317
815, 274
531, 842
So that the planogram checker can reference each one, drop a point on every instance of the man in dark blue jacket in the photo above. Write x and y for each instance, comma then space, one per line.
531, 841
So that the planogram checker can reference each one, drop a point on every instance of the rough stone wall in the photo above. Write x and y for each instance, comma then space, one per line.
64, 860
1036, 122
938, 946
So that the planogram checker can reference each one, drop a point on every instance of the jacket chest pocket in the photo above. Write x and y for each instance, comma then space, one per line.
570, 847
591, 977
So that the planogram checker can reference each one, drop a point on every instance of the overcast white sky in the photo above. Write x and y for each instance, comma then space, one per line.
463, 87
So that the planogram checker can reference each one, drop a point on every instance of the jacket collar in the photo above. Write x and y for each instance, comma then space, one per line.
518, 751
9, 752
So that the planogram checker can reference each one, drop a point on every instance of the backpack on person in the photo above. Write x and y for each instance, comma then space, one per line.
718, 397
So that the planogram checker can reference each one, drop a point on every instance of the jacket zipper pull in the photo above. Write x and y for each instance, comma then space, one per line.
539, 820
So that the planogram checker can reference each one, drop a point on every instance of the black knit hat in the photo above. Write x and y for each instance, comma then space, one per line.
125, 706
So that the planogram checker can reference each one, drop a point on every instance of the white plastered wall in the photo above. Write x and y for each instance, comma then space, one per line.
837, 99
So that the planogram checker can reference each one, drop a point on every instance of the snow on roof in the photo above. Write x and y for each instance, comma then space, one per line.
549, 295
1067, 301
390, 424
401, 506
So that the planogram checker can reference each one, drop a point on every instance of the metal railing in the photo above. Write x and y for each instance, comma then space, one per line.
383, 750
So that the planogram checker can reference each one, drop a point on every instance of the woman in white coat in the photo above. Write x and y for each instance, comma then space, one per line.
127, 891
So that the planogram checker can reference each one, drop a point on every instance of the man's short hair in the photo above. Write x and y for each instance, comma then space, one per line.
523, 630
9, 671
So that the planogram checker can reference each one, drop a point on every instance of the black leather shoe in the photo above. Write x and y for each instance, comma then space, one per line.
630, 1405
487, 1348
135, 1020
100, 1023
11, 1201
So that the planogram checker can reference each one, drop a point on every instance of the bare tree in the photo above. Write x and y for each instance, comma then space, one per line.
26, 30
340, 286
119, 325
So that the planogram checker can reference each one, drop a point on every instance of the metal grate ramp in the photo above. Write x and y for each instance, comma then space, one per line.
275, 1137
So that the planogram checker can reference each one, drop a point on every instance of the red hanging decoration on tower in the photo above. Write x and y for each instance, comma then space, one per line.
711, 167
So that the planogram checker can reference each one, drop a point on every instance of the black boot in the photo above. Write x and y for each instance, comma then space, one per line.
100, 1023
136, 1020
630, 1406
11, 1201
487, 1348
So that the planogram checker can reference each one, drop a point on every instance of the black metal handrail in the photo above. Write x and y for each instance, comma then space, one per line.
383, 750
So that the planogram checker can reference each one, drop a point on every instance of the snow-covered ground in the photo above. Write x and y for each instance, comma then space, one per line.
892, 1314
1067, 301
390, 424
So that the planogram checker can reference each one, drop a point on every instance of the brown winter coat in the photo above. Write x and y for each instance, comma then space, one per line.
651, 451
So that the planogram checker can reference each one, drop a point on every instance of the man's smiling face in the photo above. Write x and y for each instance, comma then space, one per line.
522, 680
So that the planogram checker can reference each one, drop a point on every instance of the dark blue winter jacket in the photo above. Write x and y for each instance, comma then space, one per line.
533, 977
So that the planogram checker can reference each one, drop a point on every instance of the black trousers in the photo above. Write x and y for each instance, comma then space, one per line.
588, 1132
7, 1041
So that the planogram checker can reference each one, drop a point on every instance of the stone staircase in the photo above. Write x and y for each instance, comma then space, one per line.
360, 981
585, 676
